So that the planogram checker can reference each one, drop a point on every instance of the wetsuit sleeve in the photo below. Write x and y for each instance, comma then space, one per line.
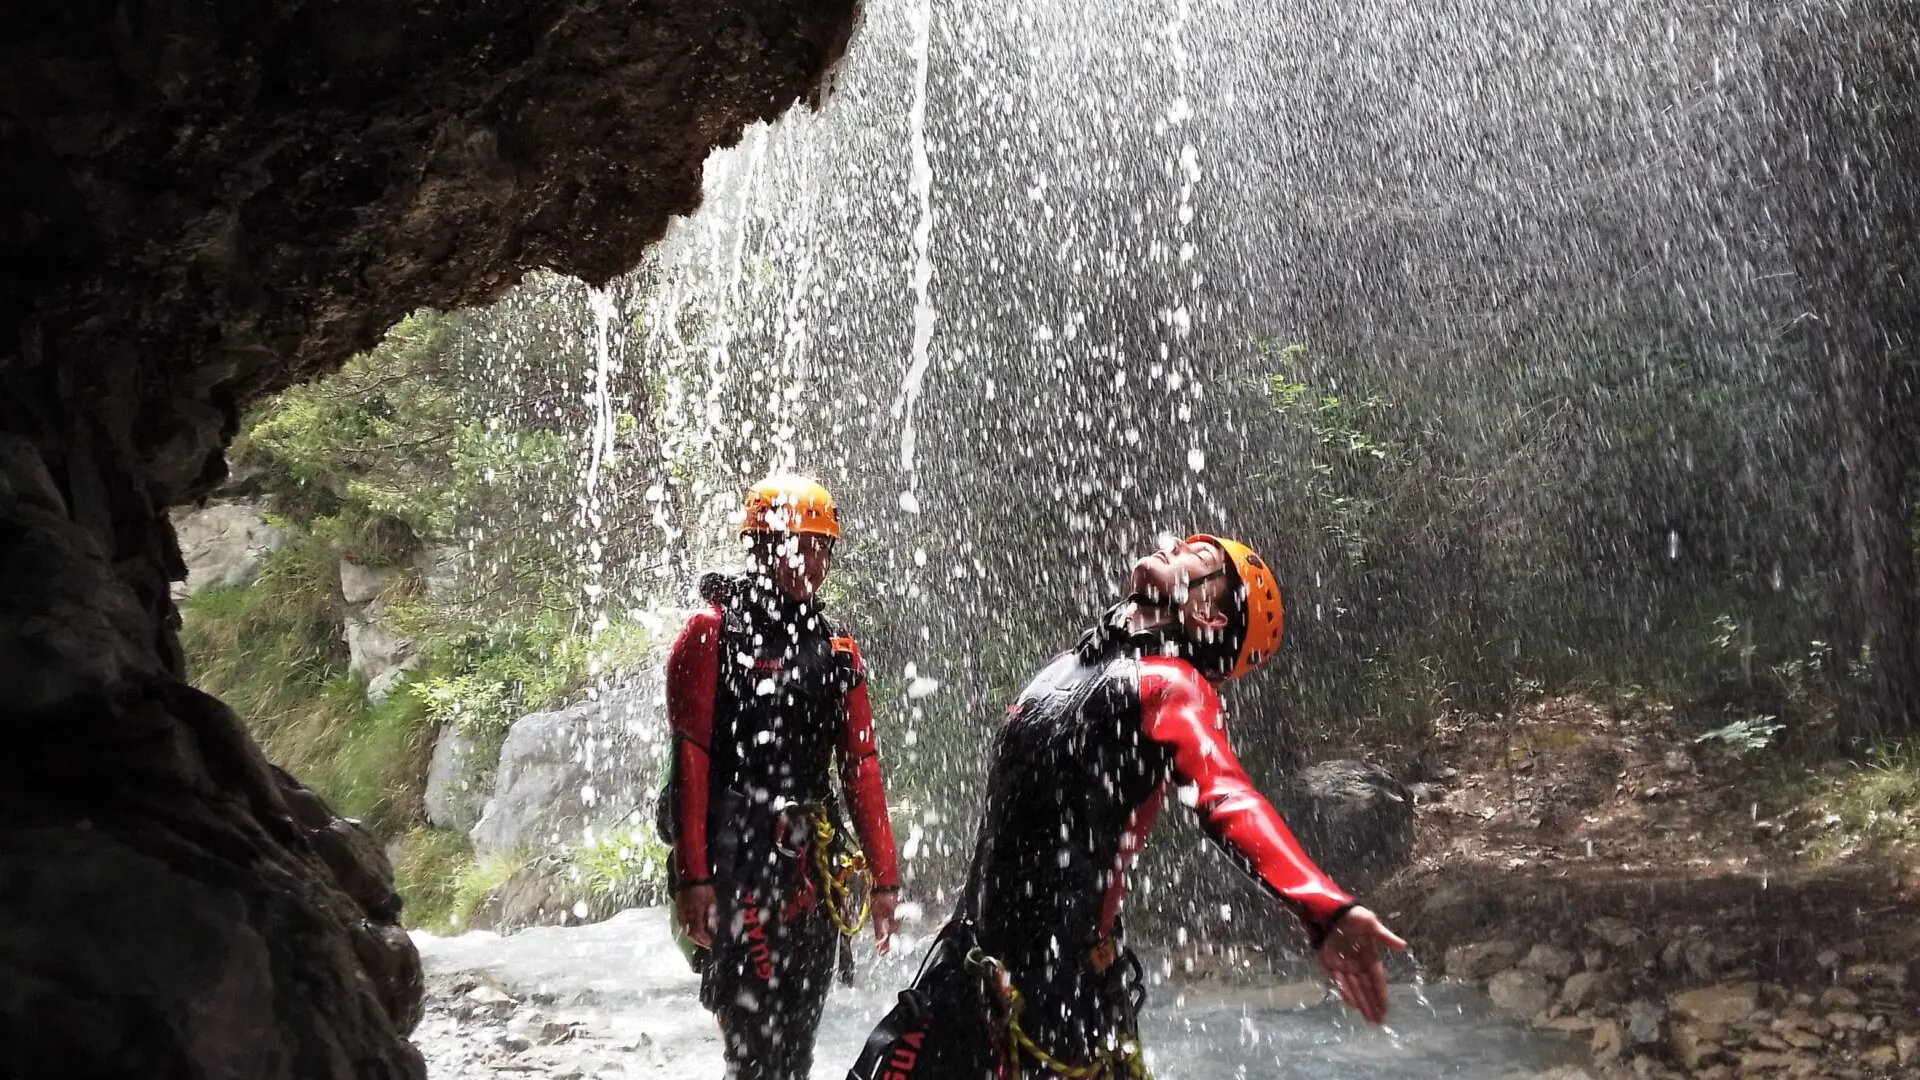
1180, 711
860, 774
693, 676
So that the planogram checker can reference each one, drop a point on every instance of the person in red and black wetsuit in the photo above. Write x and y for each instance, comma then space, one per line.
766, 697
1031, 969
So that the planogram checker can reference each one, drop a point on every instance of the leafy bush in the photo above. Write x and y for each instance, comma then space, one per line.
622, 868
1744, 735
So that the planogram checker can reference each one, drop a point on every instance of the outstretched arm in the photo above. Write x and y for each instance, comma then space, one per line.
1180, 711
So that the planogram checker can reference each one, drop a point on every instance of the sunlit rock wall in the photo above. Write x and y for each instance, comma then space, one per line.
205, 203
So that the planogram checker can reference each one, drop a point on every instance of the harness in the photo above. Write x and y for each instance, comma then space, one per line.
838, 868
1118, 1058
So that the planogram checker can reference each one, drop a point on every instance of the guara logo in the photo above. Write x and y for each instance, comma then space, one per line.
757, 953
904, 1056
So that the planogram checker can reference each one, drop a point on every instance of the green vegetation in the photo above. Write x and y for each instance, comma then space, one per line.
438, 877
410, 446
274, 652
621, 869
1845, 808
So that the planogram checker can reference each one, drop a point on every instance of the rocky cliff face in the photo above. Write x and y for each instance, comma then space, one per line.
200, 204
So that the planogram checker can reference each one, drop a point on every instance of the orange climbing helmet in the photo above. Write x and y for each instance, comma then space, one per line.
790, 504
1260, 602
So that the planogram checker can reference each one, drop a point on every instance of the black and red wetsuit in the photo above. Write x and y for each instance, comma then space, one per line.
1081, 768
765, 698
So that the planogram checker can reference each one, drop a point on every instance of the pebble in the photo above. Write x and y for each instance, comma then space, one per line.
1803, 1040
1586, 988
1609, 1039
1839, 997
1646, 1022
1848, 1021
1877, 974
1729, 1003
1882, 1057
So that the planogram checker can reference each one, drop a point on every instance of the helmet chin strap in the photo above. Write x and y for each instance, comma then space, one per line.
1181, 591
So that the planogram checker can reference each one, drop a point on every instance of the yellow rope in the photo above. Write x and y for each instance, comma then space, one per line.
835, 891
1122, 1059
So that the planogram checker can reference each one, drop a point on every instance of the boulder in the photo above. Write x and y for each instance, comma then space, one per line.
223, 545
1729, 1003
459, 779
537, 894
1484, 959
362, 584
1521, 992
1354, 819
561, 773
375, 652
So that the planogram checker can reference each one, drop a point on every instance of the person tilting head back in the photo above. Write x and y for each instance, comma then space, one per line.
766, 697
1031, 977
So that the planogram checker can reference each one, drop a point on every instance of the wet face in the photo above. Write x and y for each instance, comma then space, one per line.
797, 563
1191, 578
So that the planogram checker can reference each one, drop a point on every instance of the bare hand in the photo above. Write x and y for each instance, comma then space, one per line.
1351, 954
884, 922
694, 909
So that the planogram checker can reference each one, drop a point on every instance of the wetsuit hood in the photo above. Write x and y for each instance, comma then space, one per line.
1110, 637
743, 589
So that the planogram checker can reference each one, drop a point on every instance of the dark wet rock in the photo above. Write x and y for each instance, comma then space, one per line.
206, 203
1354, 819
160, 924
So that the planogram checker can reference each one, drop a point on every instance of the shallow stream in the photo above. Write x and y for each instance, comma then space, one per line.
627, 987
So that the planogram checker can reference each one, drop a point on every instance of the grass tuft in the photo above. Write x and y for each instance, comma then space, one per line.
275, 652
